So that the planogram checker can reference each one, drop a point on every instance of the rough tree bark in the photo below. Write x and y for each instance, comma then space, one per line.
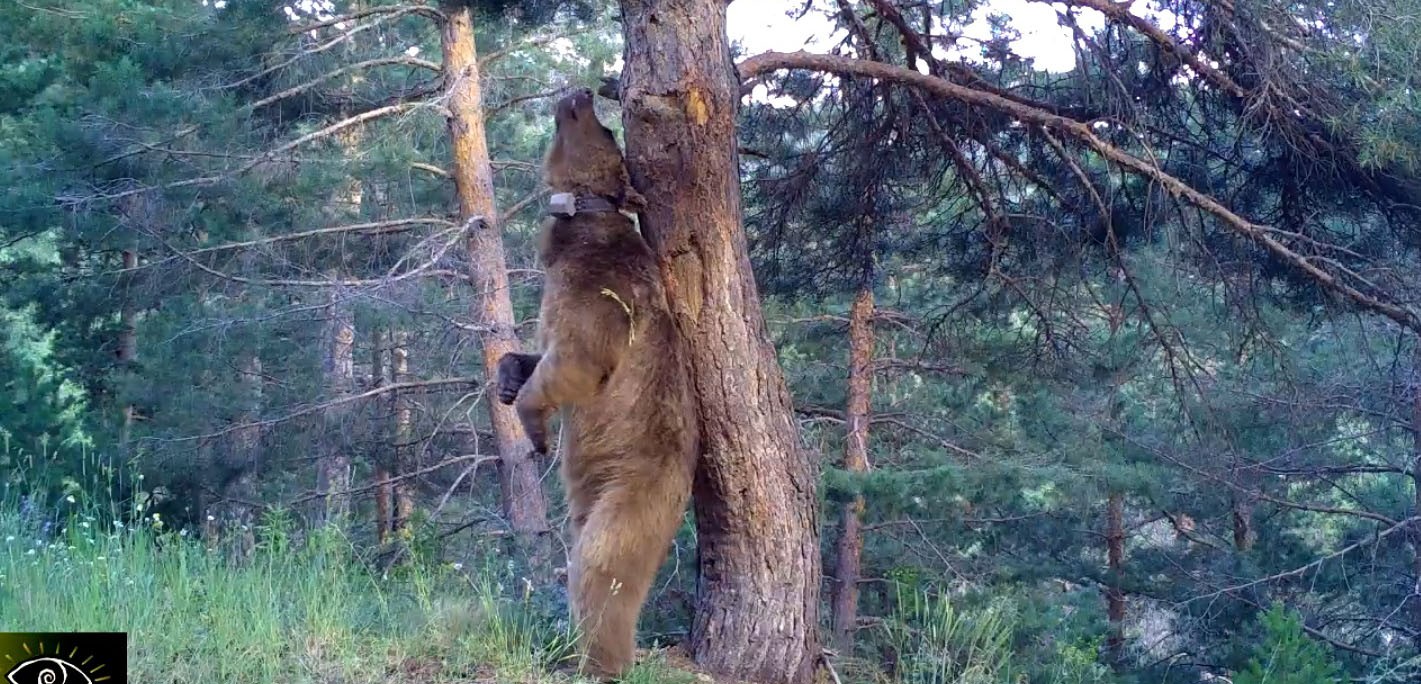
524, 505
849, 550
755, 499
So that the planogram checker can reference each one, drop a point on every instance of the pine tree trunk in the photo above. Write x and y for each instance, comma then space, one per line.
240, 519
756, 508
1244, 536
403, 433
849, 551
127, 344
338, 367
230, 519
523, 502
1416, 501
1115, 559
384, 490
334, 467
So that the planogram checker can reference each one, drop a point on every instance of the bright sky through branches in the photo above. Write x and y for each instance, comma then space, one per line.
761, 25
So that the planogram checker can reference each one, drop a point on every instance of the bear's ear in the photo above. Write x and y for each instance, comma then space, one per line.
631, 200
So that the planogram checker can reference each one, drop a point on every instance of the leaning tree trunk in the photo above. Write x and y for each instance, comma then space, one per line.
755, 499
523, 502
849, 550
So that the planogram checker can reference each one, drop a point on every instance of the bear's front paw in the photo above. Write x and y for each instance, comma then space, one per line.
511, 378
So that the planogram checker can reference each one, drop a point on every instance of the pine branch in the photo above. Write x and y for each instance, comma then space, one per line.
1258, 234
397, 10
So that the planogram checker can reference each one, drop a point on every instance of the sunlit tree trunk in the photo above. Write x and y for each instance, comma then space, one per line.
523, 502
403, 433
756, 508
849, 550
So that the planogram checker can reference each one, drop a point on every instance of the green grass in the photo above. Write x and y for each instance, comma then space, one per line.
288, 612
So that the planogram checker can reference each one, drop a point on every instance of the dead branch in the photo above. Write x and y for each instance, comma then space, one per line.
322, 47
430, 168
372, 228
1399, 526
203, 181
426, 10
403, 60
323, 406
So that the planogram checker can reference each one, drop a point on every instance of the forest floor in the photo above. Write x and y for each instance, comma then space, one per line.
304, 613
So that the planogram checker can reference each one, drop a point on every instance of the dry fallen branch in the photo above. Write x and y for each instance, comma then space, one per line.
1258, 234
371, 228
391, 277
318, 408
204, 181
401, 60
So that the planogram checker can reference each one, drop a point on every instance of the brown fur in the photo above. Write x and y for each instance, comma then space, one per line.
612, 363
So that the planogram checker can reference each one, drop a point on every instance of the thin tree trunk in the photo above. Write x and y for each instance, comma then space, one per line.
1244, 535
524, 505
384, 490
849, 551
1115, 560
755, 494
127, 344
403, 433
334, 467
1416, 500
240, 518
338, 367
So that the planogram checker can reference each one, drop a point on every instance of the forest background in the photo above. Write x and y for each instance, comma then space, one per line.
1101, 372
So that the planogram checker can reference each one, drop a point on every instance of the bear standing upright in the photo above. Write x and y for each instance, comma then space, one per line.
612, 363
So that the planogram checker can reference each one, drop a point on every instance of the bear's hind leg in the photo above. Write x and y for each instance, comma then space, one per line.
616, 556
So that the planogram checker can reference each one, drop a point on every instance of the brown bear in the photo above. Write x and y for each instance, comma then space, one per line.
612, 363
